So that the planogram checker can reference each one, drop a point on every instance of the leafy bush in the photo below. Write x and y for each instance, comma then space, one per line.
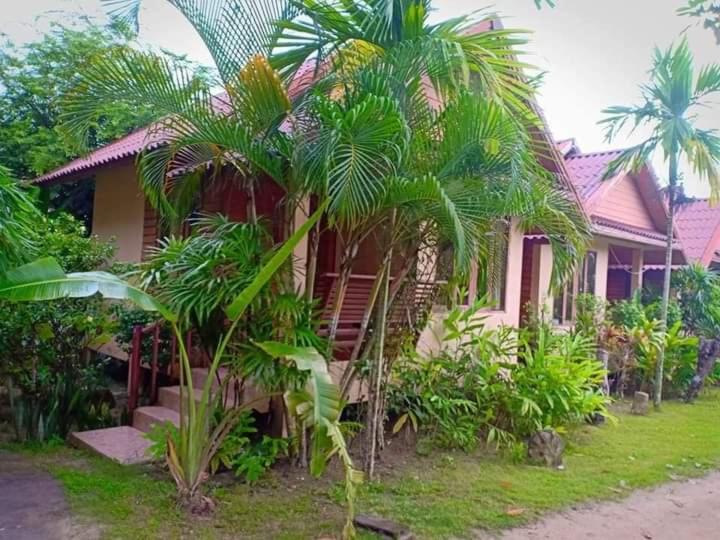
241, 451
44, 344
472, 391
698, 291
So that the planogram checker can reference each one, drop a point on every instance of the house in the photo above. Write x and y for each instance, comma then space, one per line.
628, 216
698, 227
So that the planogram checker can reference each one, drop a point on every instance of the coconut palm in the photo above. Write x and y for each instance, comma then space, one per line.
669, 107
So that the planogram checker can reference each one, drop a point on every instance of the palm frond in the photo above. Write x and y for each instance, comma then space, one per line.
703, 151
233, 30
130, 76
18, 218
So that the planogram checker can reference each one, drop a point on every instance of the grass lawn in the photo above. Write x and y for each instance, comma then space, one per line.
446, 495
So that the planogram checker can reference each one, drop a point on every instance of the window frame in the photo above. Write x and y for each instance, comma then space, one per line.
564, 303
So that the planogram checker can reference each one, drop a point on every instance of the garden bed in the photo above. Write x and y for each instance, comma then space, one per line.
438, 496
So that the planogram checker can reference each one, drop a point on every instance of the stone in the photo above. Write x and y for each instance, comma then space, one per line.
641, 403
547, 448
383, 526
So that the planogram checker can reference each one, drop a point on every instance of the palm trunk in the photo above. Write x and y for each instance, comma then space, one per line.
311, 270
251, 205
341, 290
369, 308
659, 368
376, 398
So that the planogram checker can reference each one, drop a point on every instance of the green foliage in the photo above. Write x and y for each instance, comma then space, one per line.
259, 457
698, 292
318, 406
633, 312
707, 12
199, 275
670, 101
34, 76
637, 338
590, 313
158, 436
62, 386
469, 392
18, 222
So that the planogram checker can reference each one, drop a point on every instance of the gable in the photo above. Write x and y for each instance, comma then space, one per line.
623, 202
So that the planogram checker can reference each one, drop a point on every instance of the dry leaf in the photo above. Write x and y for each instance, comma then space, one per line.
514, 511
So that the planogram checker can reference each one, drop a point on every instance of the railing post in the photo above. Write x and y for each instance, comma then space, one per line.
173, 354
155, 353
134, 369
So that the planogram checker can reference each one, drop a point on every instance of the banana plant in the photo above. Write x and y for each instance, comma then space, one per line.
189, 457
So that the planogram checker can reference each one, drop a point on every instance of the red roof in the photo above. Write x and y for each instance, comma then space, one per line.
147, 138
698, 226
565, 146
587, 171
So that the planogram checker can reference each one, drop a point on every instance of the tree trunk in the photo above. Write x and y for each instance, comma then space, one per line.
341, 289
251, 205
376, 398
369, 308
365, 323
708, 353
311, 270
672, 184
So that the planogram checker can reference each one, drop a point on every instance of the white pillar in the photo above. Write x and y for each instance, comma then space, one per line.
540, 295
300, 253
636, 278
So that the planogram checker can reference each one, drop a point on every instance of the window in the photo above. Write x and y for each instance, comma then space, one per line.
492, 276
582, 283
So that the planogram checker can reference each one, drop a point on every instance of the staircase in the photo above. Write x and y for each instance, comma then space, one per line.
407, 313
127, 445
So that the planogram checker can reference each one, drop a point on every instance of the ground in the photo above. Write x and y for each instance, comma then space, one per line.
33, 505
677, 510
443, 495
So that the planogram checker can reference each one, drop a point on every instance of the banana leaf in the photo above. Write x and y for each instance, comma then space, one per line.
44, 279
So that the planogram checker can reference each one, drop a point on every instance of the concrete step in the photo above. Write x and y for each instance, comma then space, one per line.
250, 392
124, 444
169, 396
144, 418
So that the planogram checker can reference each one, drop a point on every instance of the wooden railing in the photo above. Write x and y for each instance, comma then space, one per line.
135, 363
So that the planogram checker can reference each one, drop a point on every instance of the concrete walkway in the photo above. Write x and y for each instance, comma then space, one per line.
32, 503
688, 510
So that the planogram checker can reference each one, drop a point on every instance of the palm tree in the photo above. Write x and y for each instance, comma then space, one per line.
670, 102
18, 217
402, 127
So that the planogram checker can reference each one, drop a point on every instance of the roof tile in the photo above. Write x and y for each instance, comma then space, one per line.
697, 223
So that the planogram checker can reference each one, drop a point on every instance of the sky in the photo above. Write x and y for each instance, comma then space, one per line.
595, 53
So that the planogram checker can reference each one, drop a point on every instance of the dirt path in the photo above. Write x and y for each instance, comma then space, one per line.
687, 510
32, 504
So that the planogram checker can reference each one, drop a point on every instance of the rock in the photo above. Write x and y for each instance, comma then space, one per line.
546, 448
641, 403
382, 526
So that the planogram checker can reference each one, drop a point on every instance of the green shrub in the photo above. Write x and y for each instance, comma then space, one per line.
44, 344
473, 391
241, 450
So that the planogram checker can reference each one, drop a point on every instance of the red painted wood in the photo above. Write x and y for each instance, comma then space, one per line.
618, 285
134, 369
